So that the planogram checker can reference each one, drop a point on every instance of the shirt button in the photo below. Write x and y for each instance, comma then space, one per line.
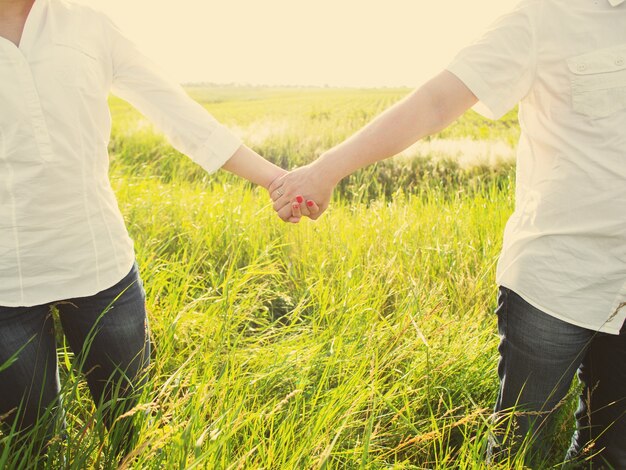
619, 61
582, 67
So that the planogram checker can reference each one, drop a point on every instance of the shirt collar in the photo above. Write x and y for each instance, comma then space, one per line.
616, 2
33, 25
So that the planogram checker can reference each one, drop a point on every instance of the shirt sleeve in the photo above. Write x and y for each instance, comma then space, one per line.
499, 68
187, 125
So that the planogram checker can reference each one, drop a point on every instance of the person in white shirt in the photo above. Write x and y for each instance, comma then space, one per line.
63, 242
562, 270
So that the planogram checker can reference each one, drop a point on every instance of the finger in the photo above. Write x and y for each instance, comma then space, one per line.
281, 203
277, 183
314, 210
285, 213
277, 194
312, 207
302, 208
295, 210
304, 211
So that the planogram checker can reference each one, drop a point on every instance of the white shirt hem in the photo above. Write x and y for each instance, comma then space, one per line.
602, 329
71, 292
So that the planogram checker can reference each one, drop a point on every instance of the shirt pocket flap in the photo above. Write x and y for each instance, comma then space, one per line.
612, 59
77, 48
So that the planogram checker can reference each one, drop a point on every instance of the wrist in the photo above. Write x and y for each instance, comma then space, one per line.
276, 173
328, 167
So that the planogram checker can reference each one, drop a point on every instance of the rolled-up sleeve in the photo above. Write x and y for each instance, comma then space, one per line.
499, 68
187, 125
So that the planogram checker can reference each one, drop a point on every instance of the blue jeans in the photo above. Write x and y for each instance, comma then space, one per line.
539, 356
108, 333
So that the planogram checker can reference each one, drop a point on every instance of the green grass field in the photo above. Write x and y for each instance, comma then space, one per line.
366, 339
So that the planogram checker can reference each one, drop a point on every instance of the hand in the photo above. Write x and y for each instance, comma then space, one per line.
298, 210
290, 191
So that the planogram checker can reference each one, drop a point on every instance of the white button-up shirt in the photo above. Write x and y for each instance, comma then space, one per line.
564, 247
61, 232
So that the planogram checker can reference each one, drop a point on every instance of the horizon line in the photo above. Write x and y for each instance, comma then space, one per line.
284, 85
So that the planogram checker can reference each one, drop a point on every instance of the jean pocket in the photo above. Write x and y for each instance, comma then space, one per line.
598, 81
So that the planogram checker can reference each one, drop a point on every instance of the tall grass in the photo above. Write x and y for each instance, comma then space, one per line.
363, 340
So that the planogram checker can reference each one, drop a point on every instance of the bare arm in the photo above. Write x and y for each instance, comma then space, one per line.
187, 124
427, 110
248, 164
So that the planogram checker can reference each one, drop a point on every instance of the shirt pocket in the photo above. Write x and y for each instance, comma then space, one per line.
76, 66
598, 81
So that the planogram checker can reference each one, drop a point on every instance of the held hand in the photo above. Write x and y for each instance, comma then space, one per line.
298, 209
289, 193
294, 211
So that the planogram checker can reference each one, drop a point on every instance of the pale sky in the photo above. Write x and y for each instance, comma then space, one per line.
303, 42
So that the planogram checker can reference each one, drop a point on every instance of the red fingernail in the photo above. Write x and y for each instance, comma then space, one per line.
310, 203
299, 199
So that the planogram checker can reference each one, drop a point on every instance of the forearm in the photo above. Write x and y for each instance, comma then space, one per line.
426, 111
250, 165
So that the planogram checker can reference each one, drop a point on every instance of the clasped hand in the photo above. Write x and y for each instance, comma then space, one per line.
302, 192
